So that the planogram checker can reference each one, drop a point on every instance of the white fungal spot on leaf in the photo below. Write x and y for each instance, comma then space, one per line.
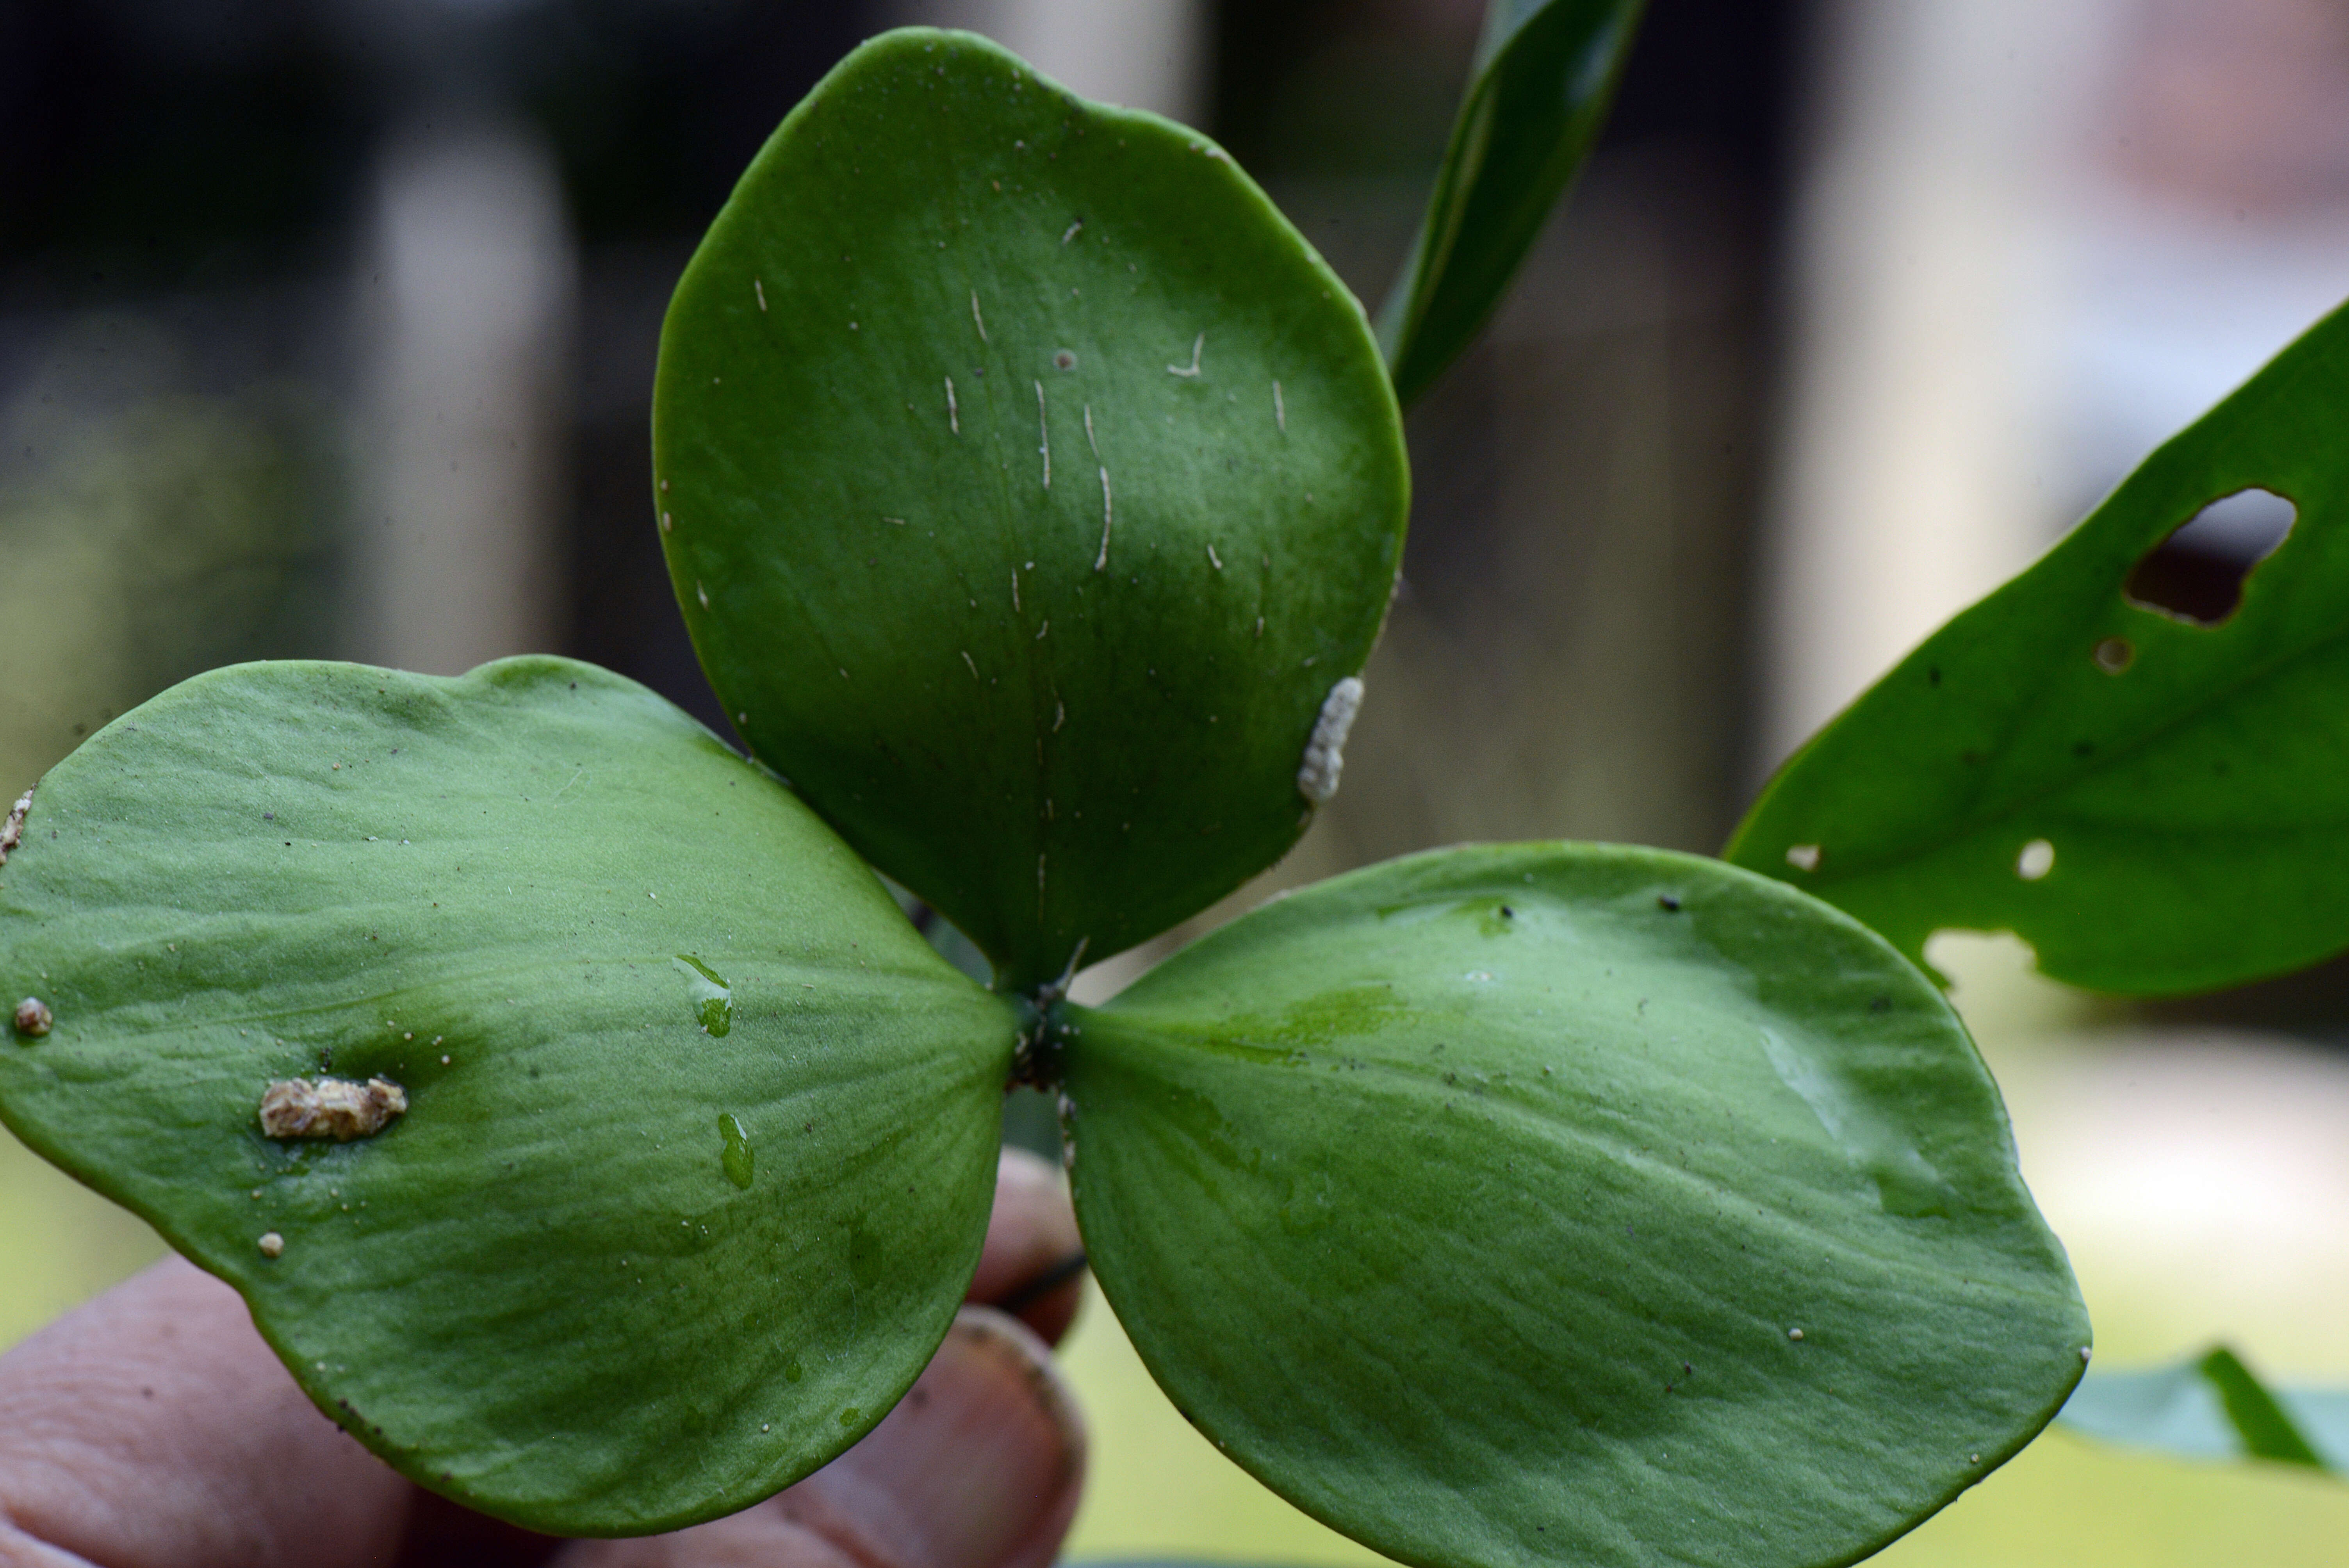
977, 317
2037, 859
954, 416
1325, 759
331, 1108
34, 1018
1802, 857
1197, 344
1279, 410
273, 1246
11, 832
761, 290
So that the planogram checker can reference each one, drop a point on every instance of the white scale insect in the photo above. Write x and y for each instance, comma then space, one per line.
1325, 751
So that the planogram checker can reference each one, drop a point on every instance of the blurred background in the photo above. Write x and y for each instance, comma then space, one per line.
327, 327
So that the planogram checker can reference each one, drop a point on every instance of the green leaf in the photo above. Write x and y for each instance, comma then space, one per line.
1544, 76
1555, 1203
2158, 806
1066, 714
560, 1287
2213, 1408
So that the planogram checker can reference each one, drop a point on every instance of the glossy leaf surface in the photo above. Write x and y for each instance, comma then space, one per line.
2214, 1407
1028, 482
1545, 74
631, 1257
2157, 806
1567, 1203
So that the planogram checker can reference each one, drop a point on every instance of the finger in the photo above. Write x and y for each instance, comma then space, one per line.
1033, 1263
152, 1429
979, 1467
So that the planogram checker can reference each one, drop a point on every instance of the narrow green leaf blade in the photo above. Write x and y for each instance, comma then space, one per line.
2157, 806
1544, 77
2213, 1408
1554, 1203
1027, 484
642, 1248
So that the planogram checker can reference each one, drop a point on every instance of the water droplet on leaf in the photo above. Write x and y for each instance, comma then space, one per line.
736, 1155
712, 998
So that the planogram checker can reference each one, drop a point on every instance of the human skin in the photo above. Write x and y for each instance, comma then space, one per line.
152, 1429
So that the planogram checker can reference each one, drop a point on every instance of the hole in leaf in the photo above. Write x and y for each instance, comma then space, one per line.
2197, 572
2037, 859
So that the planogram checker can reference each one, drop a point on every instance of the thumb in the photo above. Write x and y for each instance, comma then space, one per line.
977, 1467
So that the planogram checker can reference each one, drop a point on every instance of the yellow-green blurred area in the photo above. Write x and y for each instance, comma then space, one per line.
153, 526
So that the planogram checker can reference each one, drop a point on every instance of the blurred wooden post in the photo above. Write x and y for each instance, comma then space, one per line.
1143, 54
467, 297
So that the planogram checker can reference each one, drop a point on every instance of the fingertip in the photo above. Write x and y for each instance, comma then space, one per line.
154, 1425
981, 1466
1032, 1264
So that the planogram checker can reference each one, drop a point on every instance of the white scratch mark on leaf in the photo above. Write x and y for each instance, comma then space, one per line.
1044, 435
1101, 561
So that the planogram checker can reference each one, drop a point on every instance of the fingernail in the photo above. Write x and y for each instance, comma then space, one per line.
979, 1465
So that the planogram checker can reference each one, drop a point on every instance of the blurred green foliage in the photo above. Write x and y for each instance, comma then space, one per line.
150, 528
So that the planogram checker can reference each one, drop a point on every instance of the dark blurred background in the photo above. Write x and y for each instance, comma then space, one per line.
327, 327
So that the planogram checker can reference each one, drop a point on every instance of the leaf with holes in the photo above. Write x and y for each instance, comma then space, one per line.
614, 1063
1552, 1204
1544, 76
1029, 486
2213, 1408
2153, 798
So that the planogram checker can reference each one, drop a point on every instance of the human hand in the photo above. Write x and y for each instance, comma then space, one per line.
152, 1429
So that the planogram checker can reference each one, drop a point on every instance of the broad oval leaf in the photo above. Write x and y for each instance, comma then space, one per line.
1568, 1203
1545, 74
2157, 805
643, 1246
2213, 1408
1027, 484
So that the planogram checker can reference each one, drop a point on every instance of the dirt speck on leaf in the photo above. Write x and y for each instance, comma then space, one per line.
330, 1108
11, 832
